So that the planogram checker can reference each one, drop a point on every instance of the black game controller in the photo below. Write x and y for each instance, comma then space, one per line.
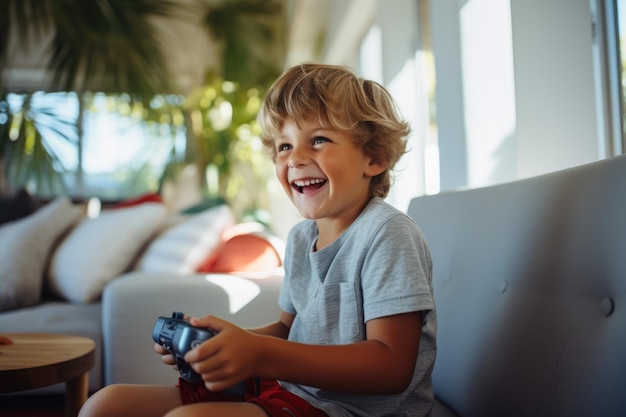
178, 336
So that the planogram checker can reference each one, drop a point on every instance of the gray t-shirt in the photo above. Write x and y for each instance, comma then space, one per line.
379, 266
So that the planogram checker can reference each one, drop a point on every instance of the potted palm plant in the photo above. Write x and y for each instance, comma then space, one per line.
111, 47
94, 46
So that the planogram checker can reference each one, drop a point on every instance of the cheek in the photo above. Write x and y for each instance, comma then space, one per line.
281, 174
279, 168
340, 168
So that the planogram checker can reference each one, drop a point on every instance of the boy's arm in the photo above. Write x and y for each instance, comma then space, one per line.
382, 364
279, 328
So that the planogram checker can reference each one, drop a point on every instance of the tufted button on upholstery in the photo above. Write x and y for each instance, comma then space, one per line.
607, 306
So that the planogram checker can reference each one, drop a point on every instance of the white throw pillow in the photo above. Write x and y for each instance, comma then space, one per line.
181, 248
101, 249
25, 247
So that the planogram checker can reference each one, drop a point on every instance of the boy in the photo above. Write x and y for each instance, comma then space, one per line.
356, 335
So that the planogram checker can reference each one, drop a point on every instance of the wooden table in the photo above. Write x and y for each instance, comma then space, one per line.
36, 360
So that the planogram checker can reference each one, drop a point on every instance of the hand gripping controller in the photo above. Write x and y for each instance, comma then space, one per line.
178, 336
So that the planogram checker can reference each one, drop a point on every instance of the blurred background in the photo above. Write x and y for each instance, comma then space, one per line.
117, 99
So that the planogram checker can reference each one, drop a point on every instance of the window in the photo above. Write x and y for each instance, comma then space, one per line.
122, 152
609, 18
123, 155
621, 51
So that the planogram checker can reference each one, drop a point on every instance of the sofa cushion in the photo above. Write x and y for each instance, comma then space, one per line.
247, 247
243, 253
100, 249
26, 245
183, 246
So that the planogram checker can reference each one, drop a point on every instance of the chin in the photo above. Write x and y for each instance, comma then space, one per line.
310, 214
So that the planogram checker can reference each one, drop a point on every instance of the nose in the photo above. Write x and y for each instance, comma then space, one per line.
297, 157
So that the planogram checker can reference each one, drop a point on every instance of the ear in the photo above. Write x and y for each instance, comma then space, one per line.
374, 168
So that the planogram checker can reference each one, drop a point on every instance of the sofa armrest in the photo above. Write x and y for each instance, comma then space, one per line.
131, 304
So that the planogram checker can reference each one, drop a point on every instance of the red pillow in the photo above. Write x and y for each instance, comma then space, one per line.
146, 198
243, 253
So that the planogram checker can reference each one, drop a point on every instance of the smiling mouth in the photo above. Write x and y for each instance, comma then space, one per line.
302, 186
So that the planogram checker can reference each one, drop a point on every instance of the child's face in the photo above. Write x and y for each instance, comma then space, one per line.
322, 170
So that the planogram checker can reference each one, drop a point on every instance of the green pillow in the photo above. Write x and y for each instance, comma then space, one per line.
205, 204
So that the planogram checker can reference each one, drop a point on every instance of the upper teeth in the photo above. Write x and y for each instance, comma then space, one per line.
306, 183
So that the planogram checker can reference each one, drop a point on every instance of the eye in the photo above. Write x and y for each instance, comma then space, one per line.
319, 140
283, 147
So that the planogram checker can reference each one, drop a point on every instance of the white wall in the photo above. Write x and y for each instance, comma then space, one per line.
488, 90
515, 84
446, 46
505, 115
399, 73
556, 114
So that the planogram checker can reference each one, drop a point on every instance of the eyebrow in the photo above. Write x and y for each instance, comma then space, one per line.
313, 131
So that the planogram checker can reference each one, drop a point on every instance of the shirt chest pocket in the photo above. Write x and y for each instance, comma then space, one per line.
339, 314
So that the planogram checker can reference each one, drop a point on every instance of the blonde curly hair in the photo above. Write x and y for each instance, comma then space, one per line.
340, 100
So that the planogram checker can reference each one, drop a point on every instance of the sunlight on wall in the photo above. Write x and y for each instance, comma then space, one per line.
426, 125
371, 55
431, 168
489, 89
409, 177
240, 291
403, 87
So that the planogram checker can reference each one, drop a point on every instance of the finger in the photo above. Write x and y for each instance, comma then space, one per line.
160, 349
209, 372
218, 376
214, 382
221, 367
168, 359
210, 322
203, 352
216, 386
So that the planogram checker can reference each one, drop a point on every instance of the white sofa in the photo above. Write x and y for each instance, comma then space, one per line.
529, 280
121, 324
131, 306
109, 278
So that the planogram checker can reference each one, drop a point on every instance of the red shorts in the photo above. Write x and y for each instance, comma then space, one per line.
269, 395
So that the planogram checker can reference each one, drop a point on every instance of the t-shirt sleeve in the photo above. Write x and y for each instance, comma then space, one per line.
397, 273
